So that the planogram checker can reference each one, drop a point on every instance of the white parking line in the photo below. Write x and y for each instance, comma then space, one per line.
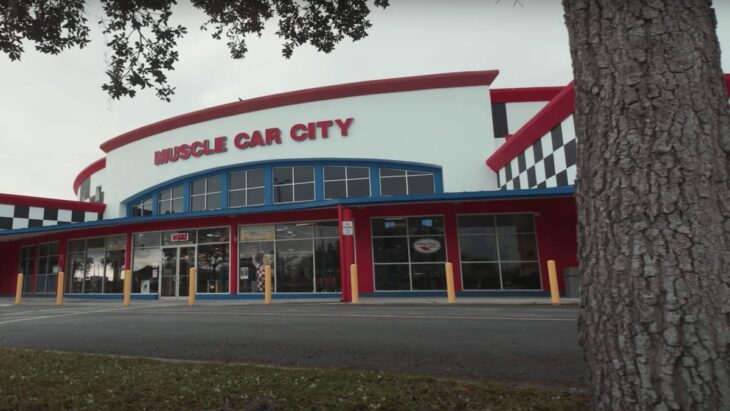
69, 314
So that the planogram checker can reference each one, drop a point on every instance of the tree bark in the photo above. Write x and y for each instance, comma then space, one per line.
653, 196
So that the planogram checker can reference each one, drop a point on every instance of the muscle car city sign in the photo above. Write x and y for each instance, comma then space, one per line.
300, 132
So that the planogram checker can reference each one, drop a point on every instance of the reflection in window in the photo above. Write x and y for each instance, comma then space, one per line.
346, 182
405, 182
293, 184
498, 252
205, 194
25, 266
96, 265
246, 188
142, 208
170, 201
47, 268
409, 253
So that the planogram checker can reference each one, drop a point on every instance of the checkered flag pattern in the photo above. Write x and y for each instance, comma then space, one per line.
549, 162
14, 217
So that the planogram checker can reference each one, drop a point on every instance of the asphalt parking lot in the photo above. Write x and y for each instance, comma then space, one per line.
504, 341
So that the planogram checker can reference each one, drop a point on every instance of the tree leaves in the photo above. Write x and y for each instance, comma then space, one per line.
143, 44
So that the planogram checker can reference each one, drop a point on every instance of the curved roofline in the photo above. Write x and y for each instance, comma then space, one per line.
363, 88
92, 168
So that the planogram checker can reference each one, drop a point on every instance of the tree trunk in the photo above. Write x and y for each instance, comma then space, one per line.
653, 195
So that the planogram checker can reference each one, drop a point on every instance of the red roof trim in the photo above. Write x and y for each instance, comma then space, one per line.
557, 110
523, 95
92, 168
461, 79
51, 203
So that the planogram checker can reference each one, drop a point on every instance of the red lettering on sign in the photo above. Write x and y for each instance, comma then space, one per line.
273, 135
195, 149
324, 126
344, 126
184, 152
295, 132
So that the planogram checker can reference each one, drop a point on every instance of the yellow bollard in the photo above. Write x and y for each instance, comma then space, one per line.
451, 292
553, 275
127, 287
353, 284
192, 281
267, 284
19, 290
59, 288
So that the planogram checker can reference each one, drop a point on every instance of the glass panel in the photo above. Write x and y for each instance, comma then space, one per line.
114, 278
304, 192
284, 194
327, 264
294, 268
237, 180
165, 207
214, 201
358, 188
169, 272
294, 231
197, 203
476, 224
214, 184
393, 186
420, 184
117, 242
177, 205
515, 223
96, 242
187, 261
524, 276
255, 178
165, 195
303, 174
390, 249
256, 232
177, 192
428, 249
253, 256
94, 270
255, 196
146, 267
385, 172
75, 272
42, 267
480, 276
197, 187
178, 237
282, 175
425, 225
335, 189
146, 240
326, 229
478, 247
51, 283
358, 172
428, 276
392, 277
237, 198
517, 247
389, 226
40, 284
213, 235
213, 268
334, 173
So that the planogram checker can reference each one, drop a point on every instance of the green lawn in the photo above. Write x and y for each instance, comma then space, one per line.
40, 380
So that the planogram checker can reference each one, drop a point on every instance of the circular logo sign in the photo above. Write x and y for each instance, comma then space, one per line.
427, 245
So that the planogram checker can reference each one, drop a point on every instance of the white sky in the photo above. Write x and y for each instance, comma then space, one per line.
54, 115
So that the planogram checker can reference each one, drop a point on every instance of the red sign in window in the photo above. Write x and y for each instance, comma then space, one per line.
177, 237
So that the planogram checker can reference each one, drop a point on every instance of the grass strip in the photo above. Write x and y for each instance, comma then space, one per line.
41, 380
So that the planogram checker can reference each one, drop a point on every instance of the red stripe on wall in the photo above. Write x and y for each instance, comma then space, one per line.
92, 168
523, 95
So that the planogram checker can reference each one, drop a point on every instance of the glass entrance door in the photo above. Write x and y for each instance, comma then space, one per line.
176, 265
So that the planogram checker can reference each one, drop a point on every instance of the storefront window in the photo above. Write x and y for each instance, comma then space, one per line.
170, 201
95, 265
409, 253
498, 252
213, 260
142, 208
405, 182
25, 266
246, 188
346, 182
304, 257
47, 268
205, 194
293, 184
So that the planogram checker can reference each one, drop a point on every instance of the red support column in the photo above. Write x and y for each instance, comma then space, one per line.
347, 253
233, 259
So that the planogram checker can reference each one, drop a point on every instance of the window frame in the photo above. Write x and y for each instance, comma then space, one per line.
347, 180
246, 189
406, 176
171, 200
293, 184
206, 193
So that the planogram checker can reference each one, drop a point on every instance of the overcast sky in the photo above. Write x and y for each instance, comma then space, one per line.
54, 115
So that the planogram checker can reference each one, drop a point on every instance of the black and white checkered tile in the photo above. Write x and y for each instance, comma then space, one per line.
13, 217
549, 162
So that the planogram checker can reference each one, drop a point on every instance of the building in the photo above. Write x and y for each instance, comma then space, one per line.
398, 176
